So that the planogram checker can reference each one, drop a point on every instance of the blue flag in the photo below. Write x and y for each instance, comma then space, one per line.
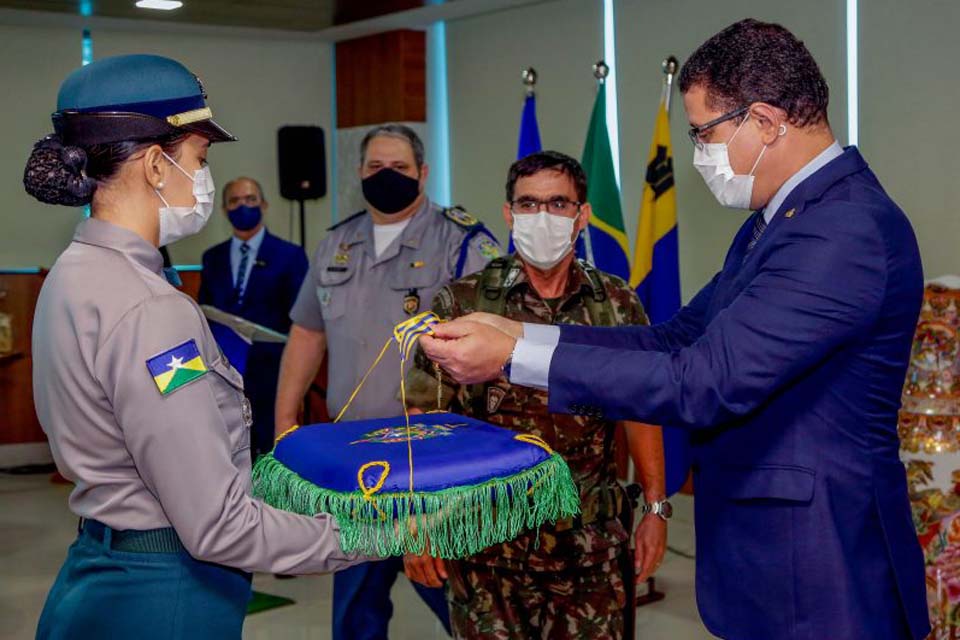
529, 139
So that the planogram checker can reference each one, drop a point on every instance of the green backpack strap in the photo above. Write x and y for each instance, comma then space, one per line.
599, 305
491, 297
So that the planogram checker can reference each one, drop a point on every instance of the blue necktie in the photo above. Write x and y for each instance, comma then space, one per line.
240, 285
758, 228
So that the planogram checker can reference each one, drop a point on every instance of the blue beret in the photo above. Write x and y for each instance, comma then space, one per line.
130, 97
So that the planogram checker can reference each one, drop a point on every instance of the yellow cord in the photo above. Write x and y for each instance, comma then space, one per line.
406, 334
286, 433
369, 491
353, 395
529, 438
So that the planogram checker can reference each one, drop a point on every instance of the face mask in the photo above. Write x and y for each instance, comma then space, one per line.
542, 239
244, 218
713, 163
181, 222
390, 191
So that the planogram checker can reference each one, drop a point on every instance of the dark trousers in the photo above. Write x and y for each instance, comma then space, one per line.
260, 386
104, 593
361, 600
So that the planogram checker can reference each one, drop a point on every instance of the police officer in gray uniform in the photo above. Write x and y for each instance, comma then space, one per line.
143, 412
372, 271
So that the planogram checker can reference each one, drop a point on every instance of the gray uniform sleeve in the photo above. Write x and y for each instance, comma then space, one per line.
481, 248
184, 450
307, 311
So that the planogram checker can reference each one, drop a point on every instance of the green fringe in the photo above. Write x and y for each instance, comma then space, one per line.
458, 522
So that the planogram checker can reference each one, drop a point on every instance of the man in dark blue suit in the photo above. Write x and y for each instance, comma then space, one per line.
787, 367
254, 275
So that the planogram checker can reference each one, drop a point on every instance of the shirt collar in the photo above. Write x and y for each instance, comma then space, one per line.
832, 152
577, 281
410, 236
110, 236
254, 241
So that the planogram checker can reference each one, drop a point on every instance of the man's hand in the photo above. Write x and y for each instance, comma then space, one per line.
425, 569
650, 540
510, 327
470, 352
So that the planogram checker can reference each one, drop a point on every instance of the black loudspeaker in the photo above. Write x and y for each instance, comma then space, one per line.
303, 163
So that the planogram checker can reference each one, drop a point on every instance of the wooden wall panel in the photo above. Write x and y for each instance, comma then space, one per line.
382, 78
18, 419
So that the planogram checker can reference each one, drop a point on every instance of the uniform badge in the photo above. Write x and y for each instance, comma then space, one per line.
495, 396
323, 295
411, 302
461, 217
176, 367
488, 248
789, 214
417, 264
344, 247
341, 259
246, 411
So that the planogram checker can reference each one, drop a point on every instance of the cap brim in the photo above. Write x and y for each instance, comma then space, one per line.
210, 130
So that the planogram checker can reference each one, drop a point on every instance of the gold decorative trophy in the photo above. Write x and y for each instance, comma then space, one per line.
930, 441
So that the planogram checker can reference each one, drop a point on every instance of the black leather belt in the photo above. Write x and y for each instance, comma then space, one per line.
163, 540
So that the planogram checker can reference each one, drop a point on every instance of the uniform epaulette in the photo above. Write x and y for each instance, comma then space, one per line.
346, 220
460, 216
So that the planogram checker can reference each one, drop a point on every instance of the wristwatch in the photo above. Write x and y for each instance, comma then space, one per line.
661, 508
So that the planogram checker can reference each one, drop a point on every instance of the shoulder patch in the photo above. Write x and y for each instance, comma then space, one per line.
488, 248
460, 216
347, 219
176, 367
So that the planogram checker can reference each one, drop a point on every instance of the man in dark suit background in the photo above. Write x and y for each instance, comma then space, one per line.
787, 366
254, 275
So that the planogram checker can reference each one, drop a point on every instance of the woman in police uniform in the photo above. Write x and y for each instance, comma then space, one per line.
142, 411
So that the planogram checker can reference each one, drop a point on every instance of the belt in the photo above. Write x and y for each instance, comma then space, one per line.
163, 540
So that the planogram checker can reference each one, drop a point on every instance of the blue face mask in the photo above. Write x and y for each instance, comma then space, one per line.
244, 218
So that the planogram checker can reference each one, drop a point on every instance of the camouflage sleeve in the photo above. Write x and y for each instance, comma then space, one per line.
421, 382
627, 304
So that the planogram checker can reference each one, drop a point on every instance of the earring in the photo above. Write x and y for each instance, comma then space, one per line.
160, 185
783, 129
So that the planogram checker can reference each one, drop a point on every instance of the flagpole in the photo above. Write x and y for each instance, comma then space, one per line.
669, 66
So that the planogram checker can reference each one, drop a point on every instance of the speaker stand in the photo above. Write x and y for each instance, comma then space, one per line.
303, 224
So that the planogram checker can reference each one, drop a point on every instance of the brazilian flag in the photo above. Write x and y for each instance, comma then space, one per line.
608, 237
176, 367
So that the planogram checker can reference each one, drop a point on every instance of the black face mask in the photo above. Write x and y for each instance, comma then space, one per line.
390, 191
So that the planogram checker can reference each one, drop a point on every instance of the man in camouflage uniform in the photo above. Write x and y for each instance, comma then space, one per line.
565, 580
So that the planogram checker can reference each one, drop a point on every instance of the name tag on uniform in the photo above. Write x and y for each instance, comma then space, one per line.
323, 295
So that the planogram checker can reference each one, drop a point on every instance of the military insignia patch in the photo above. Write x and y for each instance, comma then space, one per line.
488, 248
411, 302
176, 367
323, 295
494, 398
418, 431
461, 217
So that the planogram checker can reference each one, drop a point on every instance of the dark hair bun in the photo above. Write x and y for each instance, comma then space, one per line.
55, 174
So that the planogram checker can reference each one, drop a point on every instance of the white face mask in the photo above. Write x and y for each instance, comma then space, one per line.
713, 163
543, 239
180, 222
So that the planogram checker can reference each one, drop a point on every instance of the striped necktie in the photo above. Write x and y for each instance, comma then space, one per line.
240, 285
758, 228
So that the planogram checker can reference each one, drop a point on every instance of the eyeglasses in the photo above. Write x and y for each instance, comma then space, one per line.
696, 132
555, 206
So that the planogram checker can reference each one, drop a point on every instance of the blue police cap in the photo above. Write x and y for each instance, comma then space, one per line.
133, 97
